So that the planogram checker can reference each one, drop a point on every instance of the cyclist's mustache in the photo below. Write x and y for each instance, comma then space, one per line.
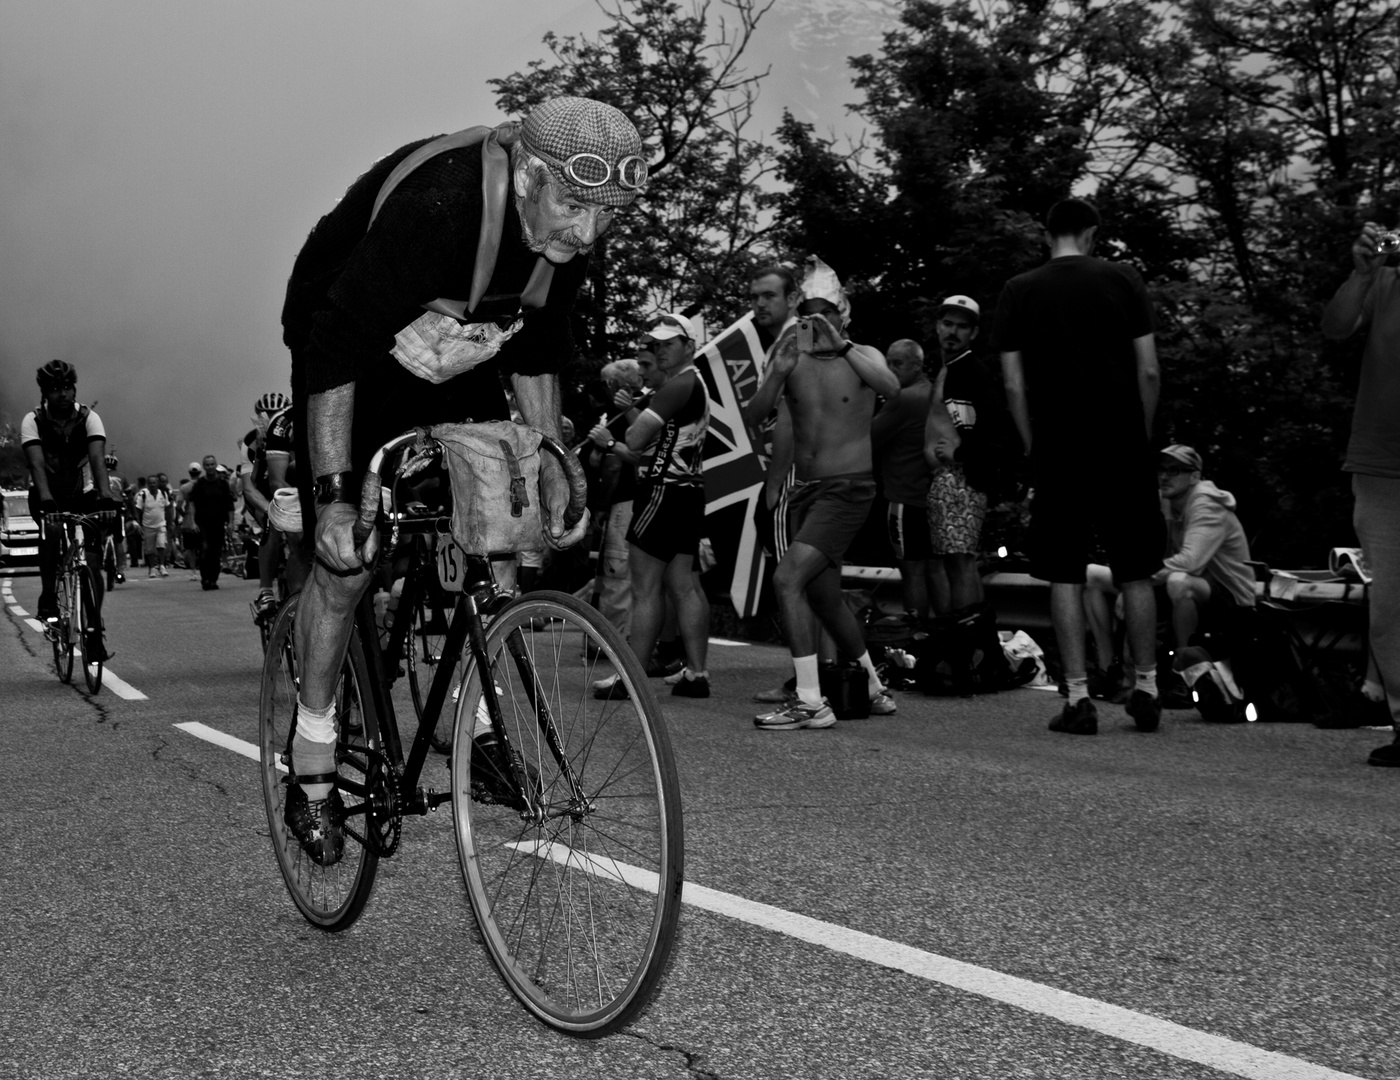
568, 238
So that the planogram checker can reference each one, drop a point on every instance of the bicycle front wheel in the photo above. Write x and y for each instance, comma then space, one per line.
92, 624
60, 632
576, 882
333, 896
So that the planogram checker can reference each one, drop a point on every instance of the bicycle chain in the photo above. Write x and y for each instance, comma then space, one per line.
383, 811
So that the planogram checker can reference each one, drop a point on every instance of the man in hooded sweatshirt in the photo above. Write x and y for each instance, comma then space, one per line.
1208, 575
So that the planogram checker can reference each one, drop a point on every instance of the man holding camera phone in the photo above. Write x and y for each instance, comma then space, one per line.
1370, 297
828, 385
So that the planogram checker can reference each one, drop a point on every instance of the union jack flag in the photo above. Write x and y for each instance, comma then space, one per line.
731, 365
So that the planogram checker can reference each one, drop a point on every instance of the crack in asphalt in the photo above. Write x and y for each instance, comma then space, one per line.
691, 1058
20, 629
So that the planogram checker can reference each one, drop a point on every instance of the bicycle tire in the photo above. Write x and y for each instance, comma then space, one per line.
423, 652
62, 641
330, 897
91, 620
109, 564
578, 911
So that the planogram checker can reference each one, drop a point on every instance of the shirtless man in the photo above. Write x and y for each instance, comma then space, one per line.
827, 384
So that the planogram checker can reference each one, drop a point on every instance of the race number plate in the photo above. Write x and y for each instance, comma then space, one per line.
451, 564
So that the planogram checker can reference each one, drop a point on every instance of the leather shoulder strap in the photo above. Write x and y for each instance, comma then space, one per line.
495, 190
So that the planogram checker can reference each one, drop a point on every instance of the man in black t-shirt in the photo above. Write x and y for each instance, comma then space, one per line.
1080, 367
212, 500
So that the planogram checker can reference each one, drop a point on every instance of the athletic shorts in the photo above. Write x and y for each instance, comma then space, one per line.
828, 513
772, 523
956, 512
1112, 500
667, 520
908, 529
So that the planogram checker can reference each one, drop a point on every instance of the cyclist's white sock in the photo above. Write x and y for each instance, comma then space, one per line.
809, 687
313, 747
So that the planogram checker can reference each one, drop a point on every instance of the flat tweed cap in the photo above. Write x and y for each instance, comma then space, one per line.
565, 126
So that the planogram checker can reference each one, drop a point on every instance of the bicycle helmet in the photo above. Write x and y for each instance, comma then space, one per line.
56, 374
272, 403
110, 461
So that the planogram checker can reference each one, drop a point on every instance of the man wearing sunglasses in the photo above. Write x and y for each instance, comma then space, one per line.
451, 263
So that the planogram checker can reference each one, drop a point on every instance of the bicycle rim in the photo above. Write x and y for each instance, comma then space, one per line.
92, 671
330, 897
579, 910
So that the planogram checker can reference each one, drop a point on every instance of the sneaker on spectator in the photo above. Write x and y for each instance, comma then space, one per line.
164, 572
1145, 710
1081, 718
882, 704
664, 669
797, 715
610, 689
688, 684
1387, 755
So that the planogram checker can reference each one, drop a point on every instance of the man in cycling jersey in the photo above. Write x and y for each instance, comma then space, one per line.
408, 311
64, 445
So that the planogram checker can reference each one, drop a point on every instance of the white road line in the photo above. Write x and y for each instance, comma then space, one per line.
1188, 1044
219, 738
726, 641
110, 678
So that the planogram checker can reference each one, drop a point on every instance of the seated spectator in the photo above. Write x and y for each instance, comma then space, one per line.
1207, 576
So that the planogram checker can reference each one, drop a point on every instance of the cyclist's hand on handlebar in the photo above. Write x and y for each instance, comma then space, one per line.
335, 540
556, 500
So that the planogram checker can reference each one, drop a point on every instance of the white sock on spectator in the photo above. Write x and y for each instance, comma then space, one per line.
875, 685
1147, 680
809, 687
1078, 688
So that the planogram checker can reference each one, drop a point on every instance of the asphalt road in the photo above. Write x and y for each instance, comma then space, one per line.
951, 892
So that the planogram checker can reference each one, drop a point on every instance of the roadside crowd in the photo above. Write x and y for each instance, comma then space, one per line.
1063, 409
190, 525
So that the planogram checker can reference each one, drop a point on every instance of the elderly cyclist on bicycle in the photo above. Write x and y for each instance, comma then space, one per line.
449, 264
64, 444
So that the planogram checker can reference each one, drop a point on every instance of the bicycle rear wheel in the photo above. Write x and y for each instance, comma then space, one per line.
91, 624
577, 902
59, 632
331, 897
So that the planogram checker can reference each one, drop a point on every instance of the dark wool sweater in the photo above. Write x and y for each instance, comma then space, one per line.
353, 287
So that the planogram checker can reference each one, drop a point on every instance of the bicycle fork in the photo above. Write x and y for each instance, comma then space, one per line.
537, 808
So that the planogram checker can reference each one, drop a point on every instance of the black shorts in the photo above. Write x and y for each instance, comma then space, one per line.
668, 520
1111, 503
908, 531
829, 512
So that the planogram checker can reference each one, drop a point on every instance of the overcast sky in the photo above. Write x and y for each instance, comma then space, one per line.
161, 162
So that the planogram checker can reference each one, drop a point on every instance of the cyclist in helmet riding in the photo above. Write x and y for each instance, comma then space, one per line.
118, 486
65, 448
272, 455
449, 264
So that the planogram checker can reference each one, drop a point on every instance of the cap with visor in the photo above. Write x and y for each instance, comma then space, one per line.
673, 325
1184, 455
962, 303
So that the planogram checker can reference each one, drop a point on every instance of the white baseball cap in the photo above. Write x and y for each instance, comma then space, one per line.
673, 324
962, 303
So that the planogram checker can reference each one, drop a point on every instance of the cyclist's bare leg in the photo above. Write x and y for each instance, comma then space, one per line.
324, 623
267, 557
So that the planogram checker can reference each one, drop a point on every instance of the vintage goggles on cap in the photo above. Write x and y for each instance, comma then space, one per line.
590, 170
